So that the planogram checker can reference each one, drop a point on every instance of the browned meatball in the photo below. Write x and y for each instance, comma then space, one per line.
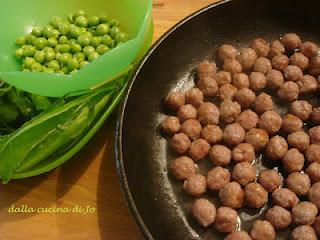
276, 148
271, 122
292, 73
204, 212
315, 115
255, 195
206, 69
304, 232
223, 77
314, 134
247, 58
258, 81
262, 65
307, 84
299, 140
291, 41
276, 48
232, 66
313, 170
262, 230
183, 167
299, 183
258, 138
289, 91
245, 97
220, 155
227, 51
244, 173
240, 80
199, 149
314, 194
316, 225
208, 113
314, 68
192, 128
208, 86
229, 111
244, 152
293, 161
304, 213
302, 109
212, 134
313, 153
194, 96
309, 49
261, 47
171, 125
238, 235
195, 185
174, 100
180, 143
285, 198
291, 123
226, 220
227, 91
217, 178
186, 112
263, 103
274, 79
280, 62
232, 195
270, 180
299, 60
279, 217
248, 119
233, 134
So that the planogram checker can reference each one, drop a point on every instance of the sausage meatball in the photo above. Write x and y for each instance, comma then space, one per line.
206, 70
271, 122
261, 47
208, 86
186, 112
258, 138
299, 140
285, 198
315, 115
262, 65
227, 91
291, 41
174, 100
263, 103
226, 220
280, 62
199, 149
192, 128
307, 84
314, 134
208, 113
223, 77
240, 80
299, 183
276, 148
248, 119
171, 125
291, 123
313, 153
289, 91
304, 232
255, 195
227, 51
232, 66
183, 167
238, 235
313, 170
180, 143
247, 58
232, 195
304, 213
270, 180
309, 49
292, 73
302, 109
233, 134
299, 60
258, 81
229, 111
212, 134
276, 48
293, 161
220, 155
245, 97
217, 178
274, 79
194, 96
244, 173
195, 185
314, 194
244, 152
204, 212
314, 68
316, 225
279, 217
262, 230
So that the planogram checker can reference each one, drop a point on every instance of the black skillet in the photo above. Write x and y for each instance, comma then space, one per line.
155, 199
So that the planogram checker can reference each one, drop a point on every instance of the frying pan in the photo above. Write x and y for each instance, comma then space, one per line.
155, 199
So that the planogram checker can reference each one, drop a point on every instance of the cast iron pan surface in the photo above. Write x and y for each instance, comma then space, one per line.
155, 198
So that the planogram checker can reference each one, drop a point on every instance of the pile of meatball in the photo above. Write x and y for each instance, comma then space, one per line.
229, 117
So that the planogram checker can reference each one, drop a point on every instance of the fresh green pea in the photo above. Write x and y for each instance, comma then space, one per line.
49, 70
48, 49
19, 52
92, 31
88, 50
104, 18
96, 41
75, 47
37, 31
65, 58
101, 49
63, 40
102, 29
83, 64
64, 28
81, 21
114, 31
52, 42
56, 33
58, 55
65, 70
21, 41
84, 40
65, 48
55, 21
28, 62
59, 72
29, 50
54, 64
74, 31
84, 31
50, 56
79, 13
26, 70
40, 43
93, 21
121, 37
36, 67
30, 39
74, 71
73, 64
72, 40
40, 56
107, 40
114, 22
79, 56
48, 31
93, 56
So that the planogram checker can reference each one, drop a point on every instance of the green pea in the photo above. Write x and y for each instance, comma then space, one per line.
63, 40
56, 33
96, 41
107, 40
65, 70
54, 64
64, 28
19, 52
52, 42
40, 56
72, 40
28, 62
55, 21
104, 18
30, 39
114, 22
79, 13
93, 21
114, 31
71, 18
36, 67
50, 56
83, 64
49, 70
37, 31
65, 58
29, 50
84, 40
73, 64
121, 37
21, 41
84, 31
65, 48
74, 71
48, 49
58, 56
26, 70
102, 29
59, 72
74, 31
101, 49
75, 47
79, 56
40, 43
88, 50
81, 21
93, 56
92, 31
48, 31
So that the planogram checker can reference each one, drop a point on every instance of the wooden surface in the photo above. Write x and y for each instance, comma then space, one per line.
88, 179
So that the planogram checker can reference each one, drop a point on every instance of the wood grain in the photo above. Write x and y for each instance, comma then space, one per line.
88, 179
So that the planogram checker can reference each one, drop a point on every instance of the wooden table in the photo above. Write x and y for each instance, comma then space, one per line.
87, 180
